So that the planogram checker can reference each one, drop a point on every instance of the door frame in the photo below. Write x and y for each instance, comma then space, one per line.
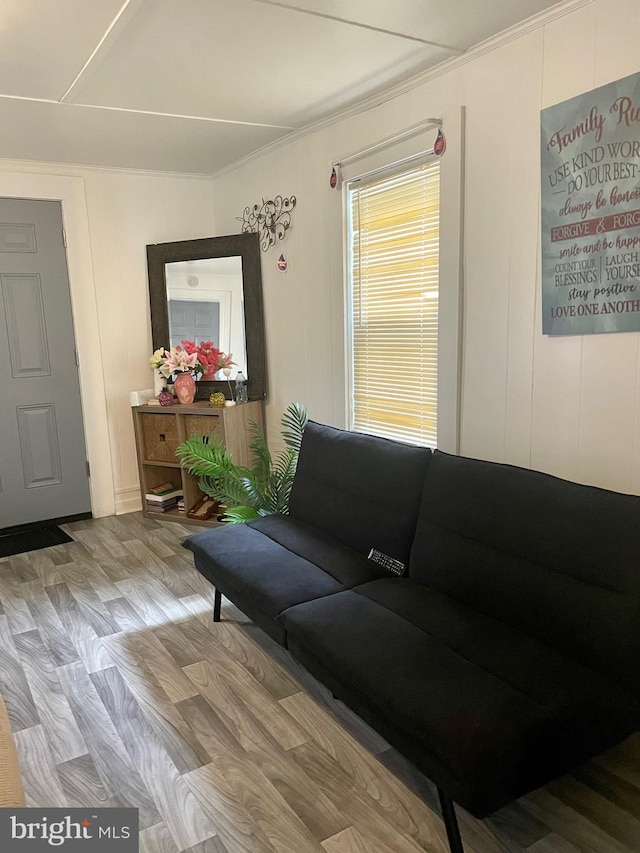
70, 192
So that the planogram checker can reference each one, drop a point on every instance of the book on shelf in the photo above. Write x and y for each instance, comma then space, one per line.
164, 489
173, 495
160, 508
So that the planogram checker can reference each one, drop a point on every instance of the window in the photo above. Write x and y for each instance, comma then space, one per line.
394, 294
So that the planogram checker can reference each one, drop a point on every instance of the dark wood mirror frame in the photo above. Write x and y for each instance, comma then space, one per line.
247, 246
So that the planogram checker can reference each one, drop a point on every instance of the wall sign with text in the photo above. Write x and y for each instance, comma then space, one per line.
591, 212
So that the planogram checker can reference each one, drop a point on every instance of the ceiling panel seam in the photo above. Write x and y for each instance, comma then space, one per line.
282, 5
145, 112
107, 33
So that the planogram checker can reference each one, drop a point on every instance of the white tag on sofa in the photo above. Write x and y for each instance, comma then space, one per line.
388, 563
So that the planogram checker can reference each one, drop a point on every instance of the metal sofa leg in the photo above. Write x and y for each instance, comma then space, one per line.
450, 822
217, 601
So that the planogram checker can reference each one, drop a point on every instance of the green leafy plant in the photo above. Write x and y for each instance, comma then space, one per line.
263, 489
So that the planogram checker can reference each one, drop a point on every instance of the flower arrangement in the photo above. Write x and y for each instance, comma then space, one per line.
209, 356
171, 362
201, 360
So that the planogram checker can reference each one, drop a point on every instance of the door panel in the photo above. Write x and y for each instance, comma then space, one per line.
26, 329
194, 321
17, 238
39, 446
42, 453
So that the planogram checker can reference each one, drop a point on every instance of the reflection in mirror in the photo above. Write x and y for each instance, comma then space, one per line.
205, 302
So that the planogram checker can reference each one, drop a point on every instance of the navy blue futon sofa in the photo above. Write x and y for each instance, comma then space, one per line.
506, 654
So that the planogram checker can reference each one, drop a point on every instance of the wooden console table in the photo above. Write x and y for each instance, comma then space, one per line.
159, 430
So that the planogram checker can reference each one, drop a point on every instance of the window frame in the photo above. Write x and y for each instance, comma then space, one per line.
375, 176
450, 317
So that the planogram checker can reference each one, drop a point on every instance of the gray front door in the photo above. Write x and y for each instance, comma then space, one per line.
43, 470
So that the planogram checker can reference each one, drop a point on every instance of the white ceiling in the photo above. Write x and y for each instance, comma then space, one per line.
193, 85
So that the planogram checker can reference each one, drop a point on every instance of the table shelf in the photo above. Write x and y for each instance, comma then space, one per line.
159, 431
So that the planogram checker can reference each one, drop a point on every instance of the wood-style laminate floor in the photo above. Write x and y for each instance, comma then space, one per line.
122, 691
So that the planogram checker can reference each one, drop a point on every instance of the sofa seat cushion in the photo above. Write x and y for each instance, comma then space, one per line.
344, 564
276, 562
485, 711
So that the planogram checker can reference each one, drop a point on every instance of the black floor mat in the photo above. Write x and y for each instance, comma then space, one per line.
32, 540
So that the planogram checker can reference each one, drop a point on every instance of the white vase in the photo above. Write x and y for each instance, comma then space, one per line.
159, 382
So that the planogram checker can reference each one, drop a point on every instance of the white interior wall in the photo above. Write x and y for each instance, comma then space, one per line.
565, 405
120, 212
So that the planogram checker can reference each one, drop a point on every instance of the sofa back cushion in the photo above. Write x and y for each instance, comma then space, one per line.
364, 491
557, 560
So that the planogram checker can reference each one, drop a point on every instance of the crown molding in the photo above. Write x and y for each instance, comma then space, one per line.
59, 168
516, 31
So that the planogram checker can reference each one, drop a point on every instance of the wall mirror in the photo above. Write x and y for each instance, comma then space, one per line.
211, 289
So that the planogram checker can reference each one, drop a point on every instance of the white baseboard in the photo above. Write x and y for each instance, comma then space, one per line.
128, 500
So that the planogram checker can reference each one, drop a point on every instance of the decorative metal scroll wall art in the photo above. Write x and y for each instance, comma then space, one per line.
271, 220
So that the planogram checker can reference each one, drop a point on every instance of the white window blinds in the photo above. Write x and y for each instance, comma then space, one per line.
394, 304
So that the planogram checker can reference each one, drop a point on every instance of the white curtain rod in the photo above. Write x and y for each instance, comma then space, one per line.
390, 140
